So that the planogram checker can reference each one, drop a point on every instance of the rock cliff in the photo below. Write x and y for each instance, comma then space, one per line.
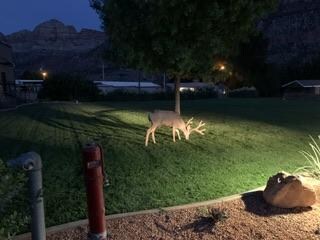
52, 43
53, 35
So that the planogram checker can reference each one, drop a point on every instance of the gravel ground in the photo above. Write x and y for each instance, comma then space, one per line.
246, 218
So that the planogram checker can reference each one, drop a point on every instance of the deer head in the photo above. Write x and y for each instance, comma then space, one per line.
171, 119
197, 129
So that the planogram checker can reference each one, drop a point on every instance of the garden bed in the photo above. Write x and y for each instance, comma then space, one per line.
246, 218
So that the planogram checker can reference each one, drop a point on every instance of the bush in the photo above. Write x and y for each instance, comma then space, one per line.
245, 92
202, 93
13, 213
123, 95
68, 87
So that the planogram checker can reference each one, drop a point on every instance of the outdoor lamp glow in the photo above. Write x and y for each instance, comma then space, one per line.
44, 74
222, 67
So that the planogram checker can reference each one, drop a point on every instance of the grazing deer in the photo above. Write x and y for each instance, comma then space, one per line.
171, 119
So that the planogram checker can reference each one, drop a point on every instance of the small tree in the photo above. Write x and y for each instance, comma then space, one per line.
68, 87
183, 38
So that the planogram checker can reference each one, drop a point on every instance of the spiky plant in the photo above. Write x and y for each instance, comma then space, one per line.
313, 158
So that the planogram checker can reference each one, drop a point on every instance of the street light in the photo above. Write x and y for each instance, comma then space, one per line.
222, 67
44, 75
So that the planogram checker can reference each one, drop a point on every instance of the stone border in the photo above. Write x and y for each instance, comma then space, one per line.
63, 227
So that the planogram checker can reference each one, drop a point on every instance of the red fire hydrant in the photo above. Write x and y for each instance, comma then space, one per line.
94, 181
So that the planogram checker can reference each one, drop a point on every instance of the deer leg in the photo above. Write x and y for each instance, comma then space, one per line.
147, 136
153, 136
174, 134
178, 133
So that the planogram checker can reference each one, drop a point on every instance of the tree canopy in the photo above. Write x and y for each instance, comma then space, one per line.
183, 38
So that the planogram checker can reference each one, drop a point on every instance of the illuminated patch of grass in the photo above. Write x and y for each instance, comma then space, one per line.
246, 141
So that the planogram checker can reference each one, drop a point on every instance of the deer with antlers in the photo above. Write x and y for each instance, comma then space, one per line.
171, 119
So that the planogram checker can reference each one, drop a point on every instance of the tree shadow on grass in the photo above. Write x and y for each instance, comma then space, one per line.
94, 125
254, 203
286, 114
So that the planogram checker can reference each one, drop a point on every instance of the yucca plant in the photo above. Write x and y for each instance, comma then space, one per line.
313, 158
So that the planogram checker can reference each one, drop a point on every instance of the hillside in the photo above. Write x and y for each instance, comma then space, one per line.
52, 43
293, 31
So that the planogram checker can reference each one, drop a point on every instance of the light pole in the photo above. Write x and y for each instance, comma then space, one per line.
222, 67
44, 75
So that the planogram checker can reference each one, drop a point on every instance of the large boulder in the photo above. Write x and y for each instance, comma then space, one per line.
288, 191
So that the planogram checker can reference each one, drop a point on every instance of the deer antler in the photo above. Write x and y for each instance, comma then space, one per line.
189, 122
198, 130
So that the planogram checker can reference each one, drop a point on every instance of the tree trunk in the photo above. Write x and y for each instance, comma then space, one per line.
177, 95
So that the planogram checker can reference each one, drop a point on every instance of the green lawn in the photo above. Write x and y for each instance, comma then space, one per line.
246, 142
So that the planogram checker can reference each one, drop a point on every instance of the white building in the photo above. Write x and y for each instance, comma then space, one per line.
190, 86
28, 89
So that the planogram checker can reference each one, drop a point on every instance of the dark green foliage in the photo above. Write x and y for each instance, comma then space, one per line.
120, 95
184, 38
243, 93
68, 87
250, 68
297, 70
13, 202
29, 75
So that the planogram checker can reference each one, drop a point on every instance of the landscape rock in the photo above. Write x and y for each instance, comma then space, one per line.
288, 191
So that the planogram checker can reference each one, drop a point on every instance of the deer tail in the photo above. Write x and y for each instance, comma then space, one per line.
149, 117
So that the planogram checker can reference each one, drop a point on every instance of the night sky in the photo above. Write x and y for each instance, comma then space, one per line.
17, 15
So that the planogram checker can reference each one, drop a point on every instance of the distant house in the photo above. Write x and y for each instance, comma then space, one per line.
28, 89
190, 86
195, 86
301, 88
6, 70
109, 86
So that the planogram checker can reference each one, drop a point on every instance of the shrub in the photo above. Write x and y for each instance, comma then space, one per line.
13, 213
68, 87
123, 95
245, 92
202, 93
209, 219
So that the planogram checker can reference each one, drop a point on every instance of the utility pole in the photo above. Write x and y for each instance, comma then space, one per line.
102, 71
164, 82
139, 82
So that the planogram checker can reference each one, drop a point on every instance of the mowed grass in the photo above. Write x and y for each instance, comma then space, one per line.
246, 142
